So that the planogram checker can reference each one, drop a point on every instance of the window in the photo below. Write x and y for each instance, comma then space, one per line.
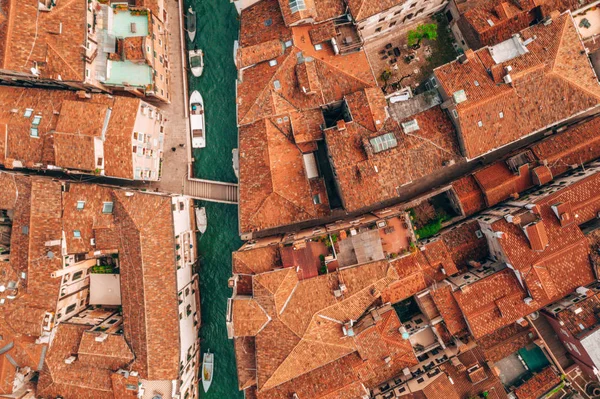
33, 132
397, 12
36, 120
393, 23
268, 22
107, 207
383, 142
71, 308
316, 199
455, 114
28, 112
381, 19
80, 205
297, 5
378, 29
77, 275
181, 206
76, 233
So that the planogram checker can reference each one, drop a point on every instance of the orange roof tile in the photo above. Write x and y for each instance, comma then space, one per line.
366, 178
494, 114
248, 56
301, 336
362, 9
576, 145
274, 189
469, 195
26, 44
499, 183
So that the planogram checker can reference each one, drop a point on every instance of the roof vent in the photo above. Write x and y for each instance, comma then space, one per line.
70, 359
410, 126
528, 300
14, 110
101, 338
490, 22
508, 79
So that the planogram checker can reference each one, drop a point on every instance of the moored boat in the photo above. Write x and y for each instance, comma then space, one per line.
235, 159
208, 363
196, 58
201, 220
197, 124
190, 24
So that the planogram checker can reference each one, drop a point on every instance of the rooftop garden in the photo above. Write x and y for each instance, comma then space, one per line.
429, 216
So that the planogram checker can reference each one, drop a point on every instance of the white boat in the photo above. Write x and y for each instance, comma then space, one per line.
236, 47
190, 24
208, 364
235, 159
197, 120
201, 220
196, 62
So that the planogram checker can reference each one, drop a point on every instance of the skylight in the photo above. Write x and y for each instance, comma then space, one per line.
297, 5
107, 207
36, 120
383, 142
28, 112
76, 233
80, 204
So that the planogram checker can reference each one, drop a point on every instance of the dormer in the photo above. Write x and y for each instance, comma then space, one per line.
564, 213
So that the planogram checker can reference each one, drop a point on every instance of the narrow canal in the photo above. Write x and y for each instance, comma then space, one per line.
217, 29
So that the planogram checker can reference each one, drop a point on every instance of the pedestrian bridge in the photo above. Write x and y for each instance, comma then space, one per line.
209, 190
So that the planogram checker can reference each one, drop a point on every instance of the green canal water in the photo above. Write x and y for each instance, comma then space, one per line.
217, 28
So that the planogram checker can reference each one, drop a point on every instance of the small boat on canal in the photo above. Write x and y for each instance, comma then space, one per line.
201, 220
207, 370
196, 58
197, 124
190, 24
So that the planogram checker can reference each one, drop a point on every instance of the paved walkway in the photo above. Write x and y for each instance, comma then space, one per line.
177, 159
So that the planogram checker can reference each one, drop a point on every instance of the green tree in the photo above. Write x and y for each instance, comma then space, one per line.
385, 75
425, 31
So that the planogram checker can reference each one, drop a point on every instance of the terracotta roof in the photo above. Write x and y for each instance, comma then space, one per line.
75, 380
381, 340
576, 145
507, 17
368, 108
66, 128
469, 195
118, 160
505, 341
298, 329
258, 260
113, 353
366, 178
441, 388
492, 302
265, 51
274, 189
250, 317
449, 310
553, 81
541, 175
245, 359
499, 183
148, 273
537, 386
74, 151
322, 32
266, 91
307, 126
134, 49
262, 22
26, 43
362, 9
462, 383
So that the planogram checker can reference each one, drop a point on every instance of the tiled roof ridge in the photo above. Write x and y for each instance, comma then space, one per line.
368, 84
10, 22
62, 59
266, 88
557, 253
275, 189
318, 314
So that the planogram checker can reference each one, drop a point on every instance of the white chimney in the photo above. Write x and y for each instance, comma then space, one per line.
70, 359
101, 338
499, 234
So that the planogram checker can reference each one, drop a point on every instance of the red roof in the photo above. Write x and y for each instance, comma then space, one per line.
553, 81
